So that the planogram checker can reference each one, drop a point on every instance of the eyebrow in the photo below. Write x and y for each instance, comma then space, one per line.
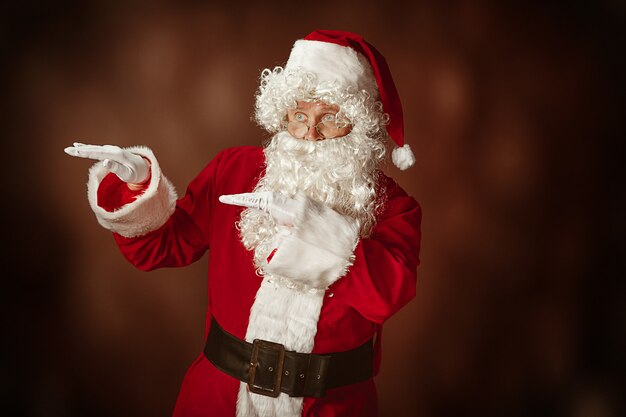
324, 108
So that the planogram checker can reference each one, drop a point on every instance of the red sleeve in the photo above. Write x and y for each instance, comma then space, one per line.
185, 237
384, 274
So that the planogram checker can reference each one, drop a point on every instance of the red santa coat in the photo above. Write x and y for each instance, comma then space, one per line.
164, 232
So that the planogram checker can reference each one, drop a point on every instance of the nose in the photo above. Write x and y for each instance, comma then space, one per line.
313, 135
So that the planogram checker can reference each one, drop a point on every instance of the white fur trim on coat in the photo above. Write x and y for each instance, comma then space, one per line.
287, 316
311, 255
318, 250
147, 213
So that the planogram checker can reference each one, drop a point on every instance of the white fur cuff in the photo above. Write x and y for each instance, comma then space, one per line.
147, 213
319, 250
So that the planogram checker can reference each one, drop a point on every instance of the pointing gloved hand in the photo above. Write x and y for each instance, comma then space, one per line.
129, 167
283, 209
314, 244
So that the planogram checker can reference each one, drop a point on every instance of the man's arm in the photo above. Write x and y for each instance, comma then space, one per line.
382, 278
151, 227
185, 236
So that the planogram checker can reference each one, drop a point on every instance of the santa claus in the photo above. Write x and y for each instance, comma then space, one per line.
311, 246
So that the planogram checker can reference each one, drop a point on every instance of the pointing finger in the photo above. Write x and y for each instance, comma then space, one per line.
283, 210
92, 152
70, 151
260, 200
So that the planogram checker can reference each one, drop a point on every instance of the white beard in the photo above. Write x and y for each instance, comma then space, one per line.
340, 173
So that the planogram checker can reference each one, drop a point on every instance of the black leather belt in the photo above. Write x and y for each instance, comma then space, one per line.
269, 369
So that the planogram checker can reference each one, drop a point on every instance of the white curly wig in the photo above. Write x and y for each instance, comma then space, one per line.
281, 88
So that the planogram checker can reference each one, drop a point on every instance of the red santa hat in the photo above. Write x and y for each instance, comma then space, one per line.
346, 60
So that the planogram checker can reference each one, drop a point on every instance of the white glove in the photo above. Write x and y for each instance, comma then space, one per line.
129, 167
283, 209
314, 244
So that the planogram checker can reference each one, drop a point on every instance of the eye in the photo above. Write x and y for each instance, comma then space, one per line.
328, 117
299, 117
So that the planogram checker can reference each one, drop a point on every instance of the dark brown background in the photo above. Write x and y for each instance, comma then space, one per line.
514, 112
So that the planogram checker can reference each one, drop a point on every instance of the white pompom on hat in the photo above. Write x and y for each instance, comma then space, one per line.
346, 59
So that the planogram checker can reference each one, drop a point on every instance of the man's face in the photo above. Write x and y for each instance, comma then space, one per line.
316, 120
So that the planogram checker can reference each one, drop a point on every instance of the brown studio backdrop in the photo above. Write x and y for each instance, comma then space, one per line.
511, 110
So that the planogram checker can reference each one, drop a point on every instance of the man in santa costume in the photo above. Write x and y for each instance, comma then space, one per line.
312, 247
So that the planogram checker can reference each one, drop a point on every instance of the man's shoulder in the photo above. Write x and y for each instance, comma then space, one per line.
242, 158
388, 186
241, 152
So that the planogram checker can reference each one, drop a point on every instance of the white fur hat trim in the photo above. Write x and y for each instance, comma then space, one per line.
334, 65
